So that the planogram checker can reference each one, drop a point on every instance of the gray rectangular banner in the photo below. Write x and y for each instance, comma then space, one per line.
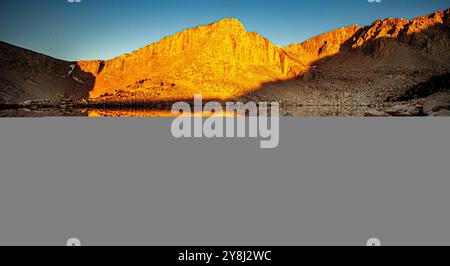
337, 181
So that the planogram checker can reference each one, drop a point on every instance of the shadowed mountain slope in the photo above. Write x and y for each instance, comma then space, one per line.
370, 65
26, 75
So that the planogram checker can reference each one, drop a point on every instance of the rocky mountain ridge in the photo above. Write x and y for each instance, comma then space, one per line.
222, 60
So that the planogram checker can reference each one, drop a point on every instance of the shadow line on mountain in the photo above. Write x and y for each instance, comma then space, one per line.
372, 50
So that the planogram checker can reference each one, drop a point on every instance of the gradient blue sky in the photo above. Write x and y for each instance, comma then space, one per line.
103, 29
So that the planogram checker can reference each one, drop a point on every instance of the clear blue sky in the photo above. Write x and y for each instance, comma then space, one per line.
103, 29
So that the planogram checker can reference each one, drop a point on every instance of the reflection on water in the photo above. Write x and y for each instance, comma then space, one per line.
306, 111
149, 113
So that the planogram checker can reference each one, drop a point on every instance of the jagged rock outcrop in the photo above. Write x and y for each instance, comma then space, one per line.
427, 34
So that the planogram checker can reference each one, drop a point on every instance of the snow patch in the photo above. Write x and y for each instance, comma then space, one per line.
71, 69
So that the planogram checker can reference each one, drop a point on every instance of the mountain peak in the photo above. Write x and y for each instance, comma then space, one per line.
230, 21
232, 24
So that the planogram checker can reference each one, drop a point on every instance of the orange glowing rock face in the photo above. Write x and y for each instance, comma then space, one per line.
220, 61
326, 44
223, 61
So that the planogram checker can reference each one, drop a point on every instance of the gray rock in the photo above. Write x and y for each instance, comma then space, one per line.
375, 113
414, 111
403, 110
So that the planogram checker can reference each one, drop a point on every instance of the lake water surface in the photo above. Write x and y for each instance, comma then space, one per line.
305, 111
